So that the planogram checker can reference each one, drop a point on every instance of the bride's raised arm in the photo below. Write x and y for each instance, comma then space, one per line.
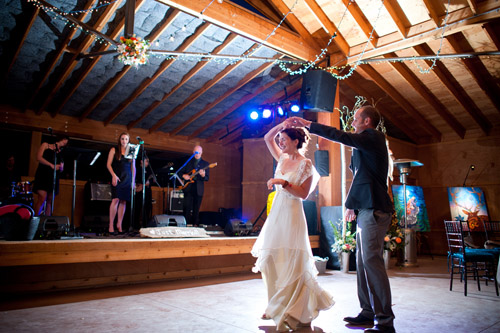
271, 141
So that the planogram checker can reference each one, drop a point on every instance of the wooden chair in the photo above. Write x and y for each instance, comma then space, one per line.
466, 260
492, 232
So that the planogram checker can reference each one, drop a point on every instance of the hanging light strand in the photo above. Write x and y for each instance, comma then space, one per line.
445, 24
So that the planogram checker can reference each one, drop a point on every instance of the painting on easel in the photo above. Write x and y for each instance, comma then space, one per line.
468, 204
416, 211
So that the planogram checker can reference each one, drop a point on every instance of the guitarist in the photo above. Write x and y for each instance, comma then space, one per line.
193, 193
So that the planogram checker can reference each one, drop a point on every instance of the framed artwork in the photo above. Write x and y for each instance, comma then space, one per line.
468, 204
416, 211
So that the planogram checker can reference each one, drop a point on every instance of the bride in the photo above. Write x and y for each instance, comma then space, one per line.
283, 251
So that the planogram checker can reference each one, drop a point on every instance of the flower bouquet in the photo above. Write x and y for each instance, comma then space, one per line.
394, 238
133, 51
344, 244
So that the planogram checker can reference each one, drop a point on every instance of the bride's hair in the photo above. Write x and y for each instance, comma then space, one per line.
300, 134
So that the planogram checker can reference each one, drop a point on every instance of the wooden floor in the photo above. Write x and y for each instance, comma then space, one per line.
43, 265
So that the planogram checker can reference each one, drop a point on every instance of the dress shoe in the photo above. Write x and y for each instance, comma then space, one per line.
381, 328
359, 320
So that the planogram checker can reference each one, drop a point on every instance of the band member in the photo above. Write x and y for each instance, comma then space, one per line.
9, 176
122, 172
193, 192
44, 177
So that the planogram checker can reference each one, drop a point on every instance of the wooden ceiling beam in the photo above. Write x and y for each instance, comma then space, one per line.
328, 25
357, 87
398, 16
435, 103
58, 54
247, 78
67, 67
362, 21
30, 19
241, 102
473, 6
458, 21
245, 23
161, 69
434, 12
398, 98
492, 29
476, 67
209, 84
269, 10
456, 89
295, 23
88, 66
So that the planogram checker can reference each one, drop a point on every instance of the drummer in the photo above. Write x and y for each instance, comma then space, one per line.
9, 177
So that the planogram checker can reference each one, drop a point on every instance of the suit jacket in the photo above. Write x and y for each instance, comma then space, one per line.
198, 187
369, 165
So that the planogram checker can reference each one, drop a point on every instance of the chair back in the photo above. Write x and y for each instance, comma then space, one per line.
492, 230
454, 235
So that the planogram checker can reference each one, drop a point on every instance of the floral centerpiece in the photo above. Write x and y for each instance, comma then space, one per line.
344, 244
133, 51
394, 237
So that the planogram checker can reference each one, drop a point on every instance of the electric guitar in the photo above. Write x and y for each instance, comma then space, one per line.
193, 174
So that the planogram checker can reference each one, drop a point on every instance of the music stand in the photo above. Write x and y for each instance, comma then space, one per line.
404, 166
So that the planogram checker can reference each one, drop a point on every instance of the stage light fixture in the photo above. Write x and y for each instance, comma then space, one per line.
254, 115
295, 108
266, 113
280, 111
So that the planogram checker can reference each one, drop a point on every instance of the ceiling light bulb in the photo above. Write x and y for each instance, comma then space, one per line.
172, 38
183, 28
220, 1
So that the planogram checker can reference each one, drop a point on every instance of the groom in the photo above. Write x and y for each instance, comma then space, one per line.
368, 202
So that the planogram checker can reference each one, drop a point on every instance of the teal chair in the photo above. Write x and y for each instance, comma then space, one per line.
467, 261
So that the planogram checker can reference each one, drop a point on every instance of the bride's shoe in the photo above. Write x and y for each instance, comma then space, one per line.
265, 317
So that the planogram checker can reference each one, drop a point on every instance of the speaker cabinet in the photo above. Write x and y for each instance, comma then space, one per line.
318, 91
176, 201
322, 161
170, 221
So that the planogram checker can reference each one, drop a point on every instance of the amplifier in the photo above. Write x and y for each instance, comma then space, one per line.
237, 227
170, 221
100, 192
176, 201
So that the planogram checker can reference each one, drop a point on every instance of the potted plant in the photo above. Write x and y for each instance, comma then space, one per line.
344, 244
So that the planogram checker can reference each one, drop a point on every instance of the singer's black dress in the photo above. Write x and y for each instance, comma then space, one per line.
45, 174
122, 168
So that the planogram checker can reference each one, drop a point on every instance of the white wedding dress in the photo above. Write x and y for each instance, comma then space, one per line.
284, 255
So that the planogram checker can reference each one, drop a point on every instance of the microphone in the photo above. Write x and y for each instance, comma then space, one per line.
95, 158
196, 152
472, 167
139, 139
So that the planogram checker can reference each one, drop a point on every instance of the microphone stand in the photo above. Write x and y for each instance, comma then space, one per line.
54, 175
471, 167
175, 176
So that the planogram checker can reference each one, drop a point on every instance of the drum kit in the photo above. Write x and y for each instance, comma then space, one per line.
22, 192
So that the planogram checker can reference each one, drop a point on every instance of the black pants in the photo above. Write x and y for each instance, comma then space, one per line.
191, 207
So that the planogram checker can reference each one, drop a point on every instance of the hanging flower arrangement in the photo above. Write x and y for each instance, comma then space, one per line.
133, 51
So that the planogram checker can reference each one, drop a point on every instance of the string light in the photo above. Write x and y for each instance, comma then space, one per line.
57, 13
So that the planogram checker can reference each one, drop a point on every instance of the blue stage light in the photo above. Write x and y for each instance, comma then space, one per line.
254, 115
266, 113
280, 111
295, 108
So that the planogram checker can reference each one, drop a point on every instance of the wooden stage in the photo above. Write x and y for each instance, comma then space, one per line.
49, 265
